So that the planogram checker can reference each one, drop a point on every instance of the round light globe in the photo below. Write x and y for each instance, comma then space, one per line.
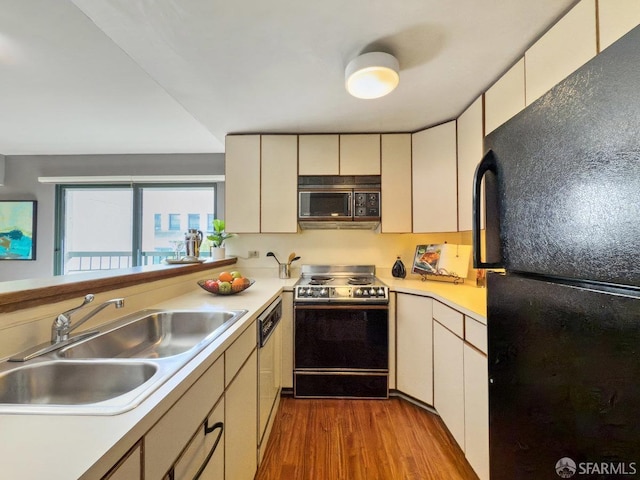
372, 75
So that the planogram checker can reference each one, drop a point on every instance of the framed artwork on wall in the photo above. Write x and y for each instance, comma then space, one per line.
18, 229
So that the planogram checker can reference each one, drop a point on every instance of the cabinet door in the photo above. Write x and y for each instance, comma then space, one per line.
505, 98
616, 17
469, 155
242, 183
318, 155
279, 189
360, 154
568, 45
448, 380
129, 468
206, 449
286, 325
414, 369
164, 443
476, 411
396, 183
241, 420
435, 198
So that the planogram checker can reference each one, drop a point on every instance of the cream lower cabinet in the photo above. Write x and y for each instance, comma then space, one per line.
241, 434
414, 368
448, 380
476, 410
129, 467
165, 442
286, 325
205, 453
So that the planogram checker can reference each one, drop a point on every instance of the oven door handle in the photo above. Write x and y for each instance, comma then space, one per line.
341, 306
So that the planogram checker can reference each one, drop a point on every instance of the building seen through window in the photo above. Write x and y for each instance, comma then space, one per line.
109, 227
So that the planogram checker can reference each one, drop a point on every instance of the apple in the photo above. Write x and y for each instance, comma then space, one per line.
225, 288
236, 274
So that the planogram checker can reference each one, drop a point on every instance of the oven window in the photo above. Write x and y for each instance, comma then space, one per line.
341, 338
325, 204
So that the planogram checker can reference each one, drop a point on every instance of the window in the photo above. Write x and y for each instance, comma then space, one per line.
103, 227
174, 221
209, 225
194, 220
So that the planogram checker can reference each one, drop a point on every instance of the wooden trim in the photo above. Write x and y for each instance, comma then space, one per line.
12, 298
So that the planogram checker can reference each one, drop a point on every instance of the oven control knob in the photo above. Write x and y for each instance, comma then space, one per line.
309, 292
365, 292
323, 292
357, 292
381, 292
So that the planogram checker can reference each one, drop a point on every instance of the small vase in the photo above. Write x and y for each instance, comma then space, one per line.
398, 269
218, 253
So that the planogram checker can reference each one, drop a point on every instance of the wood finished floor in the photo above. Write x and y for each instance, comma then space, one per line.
360, 440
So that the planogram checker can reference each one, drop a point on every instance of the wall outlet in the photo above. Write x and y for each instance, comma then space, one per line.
253, 254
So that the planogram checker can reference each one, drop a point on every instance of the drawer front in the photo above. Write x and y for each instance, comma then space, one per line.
166, 440
449, 318
238, 352
195, 455
475, 333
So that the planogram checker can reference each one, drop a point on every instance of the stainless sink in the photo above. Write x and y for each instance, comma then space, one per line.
95, 387
115, 370
155, 334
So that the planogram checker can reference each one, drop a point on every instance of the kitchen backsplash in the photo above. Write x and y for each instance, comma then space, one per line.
338, 247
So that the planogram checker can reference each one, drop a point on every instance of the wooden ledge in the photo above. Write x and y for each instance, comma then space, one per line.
21, 294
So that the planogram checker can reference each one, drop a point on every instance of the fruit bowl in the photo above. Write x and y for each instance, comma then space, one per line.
209, 287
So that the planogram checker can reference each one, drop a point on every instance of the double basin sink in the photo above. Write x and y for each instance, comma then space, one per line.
114, 370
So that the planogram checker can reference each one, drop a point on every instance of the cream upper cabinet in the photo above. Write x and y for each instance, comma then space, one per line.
414, 341
435, 205
360, 154
396, 183
242, 183
568, 45
469, 155
279, 187
505, 98
319, 155
616, 17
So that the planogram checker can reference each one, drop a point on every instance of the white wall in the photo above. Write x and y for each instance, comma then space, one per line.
21, 183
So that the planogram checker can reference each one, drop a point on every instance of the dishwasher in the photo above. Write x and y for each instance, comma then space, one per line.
269, 366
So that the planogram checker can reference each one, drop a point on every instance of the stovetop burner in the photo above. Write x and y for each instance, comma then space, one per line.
319, 280
354, 284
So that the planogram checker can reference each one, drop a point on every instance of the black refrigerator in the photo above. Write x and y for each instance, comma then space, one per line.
562, 186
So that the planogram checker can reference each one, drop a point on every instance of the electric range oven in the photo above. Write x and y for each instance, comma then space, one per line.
341, 333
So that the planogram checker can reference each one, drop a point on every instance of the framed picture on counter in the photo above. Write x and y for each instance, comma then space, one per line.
18, 229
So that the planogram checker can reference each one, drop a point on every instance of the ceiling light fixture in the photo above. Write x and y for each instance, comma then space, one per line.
372, 75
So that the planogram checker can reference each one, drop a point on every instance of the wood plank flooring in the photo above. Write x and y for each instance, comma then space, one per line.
360, 440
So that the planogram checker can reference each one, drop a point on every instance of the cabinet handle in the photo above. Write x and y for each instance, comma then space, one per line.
487, 164
207, 430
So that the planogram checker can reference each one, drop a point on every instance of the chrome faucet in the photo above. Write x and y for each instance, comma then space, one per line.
62, 327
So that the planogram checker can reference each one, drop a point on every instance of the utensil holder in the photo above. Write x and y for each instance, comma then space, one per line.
284, 270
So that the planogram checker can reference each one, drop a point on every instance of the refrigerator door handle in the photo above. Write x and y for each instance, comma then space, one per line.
487, 164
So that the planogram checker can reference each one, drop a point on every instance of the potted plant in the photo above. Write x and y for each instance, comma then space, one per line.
217, 239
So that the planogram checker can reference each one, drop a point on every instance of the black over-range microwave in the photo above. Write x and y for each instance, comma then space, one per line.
334, 201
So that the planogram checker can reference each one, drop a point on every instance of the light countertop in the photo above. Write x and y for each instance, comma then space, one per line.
67, 446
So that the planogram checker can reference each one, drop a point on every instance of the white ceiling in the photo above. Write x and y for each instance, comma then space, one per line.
172, 76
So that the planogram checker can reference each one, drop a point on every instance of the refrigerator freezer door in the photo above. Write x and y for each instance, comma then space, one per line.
568, 175
564, 371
